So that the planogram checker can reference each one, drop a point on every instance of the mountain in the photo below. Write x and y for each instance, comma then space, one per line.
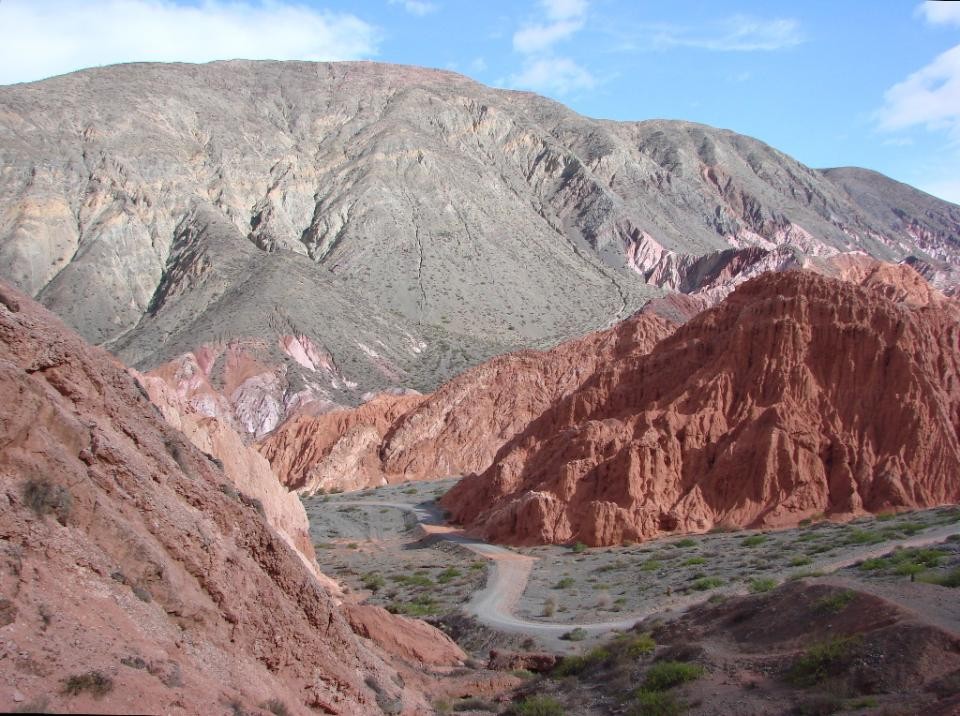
458, 428
798, 395
403, 223
135, 577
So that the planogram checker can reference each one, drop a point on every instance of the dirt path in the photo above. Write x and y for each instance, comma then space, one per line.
495, 604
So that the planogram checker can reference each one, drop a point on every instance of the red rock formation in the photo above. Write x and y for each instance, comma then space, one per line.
798, 394
457, 429
125, 552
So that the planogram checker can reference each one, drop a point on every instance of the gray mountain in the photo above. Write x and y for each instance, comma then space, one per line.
408, 222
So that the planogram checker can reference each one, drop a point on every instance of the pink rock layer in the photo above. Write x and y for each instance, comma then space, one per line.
799, 394
457, 429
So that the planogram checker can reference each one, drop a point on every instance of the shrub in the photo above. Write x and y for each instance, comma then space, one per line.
578, 547
704, 583
538, 705
95, 683
800, 561
654, 703
666, 674
578, 634
373, 581
834, 603
753, 540
45, 497
571, 665
650, 565
549, 607
693, 561
821, 661
686, 542
762, 584
874, 563
565, 583
448, 575
951, 579
640, 645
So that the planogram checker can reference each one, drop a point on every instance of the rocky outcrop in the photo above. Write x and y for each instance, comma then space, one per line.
374, 225
457, 429
412, 640
134, 575
797, 395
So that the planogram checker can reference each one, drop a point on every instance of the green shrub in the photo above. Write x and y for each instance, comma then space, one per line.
800, 561
834, 603
650, 565
864, 537
654, 703
448, 575
666, 674
686, 542
45, 497
874, 563
538, 705
704, 583
762, 584
951, 579
565, 583
754, 540
693, 561
578, 547
575, 664
578, 634
821, 661
639, 645
373, 581
95, 683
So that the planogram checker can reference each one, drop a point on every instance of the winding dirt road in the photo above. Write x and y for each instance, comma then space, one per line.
494, 605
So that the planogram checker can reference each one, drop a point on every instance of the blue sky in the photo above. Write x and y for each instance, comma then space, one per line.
832, 83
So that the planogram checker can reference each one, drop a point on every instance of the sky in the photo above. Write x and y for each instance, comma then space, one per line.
872, 84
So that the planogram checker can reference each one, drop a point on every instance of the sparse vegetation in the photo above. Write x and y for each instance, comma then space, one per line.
578, 547
448, 575
822, 661
702, 584
951, 579
539, 705
762, 584
578, 634
686, 542
45, 497
654, 703
565, 583
95, 683
800, 561
373, 581
753, 540
666, 674
693, 561
834, 603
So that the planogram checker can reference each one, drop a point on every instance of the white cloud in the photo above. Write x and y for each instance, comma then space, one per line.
416, 7
49, 37
565, 17
940, 13
478, 64
553, 75
740, 33
930, 97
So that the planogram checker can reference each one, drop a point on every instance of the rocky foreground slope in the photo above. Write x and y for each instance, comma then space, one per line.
797, 395
136, 577
405, 223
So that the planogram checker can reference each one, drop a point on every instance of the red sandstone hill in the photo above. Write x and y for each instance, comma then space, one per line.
799, 394
457, 429
135, 577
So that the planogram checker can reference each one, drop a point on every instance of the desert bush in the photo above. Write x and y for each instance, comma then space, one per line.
702, 584
834, 603
578, 547
95, 683
654, 703
549, 607
821, 661
651, 565
685, 542
693, 561
753, 540
565, 583
577, 634
45, 497
448, 575
639, 645
373, 581
800, 561
951, 579
666, 674
762, 584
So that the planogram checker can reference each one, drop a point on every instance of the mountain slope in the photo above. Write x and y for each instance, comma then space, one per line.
797, 395
408, 222
134, 578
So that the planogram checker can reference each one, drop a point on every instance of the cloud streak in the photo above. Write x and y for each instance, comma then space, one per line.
740, 33
49, 37
416, 7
